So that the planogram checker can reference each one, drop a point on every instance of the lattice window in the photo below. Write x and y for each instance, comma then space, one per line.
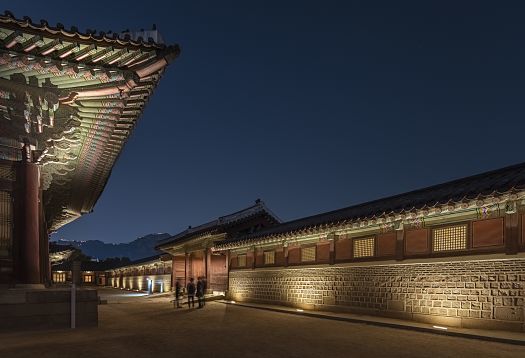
7, 173
88, 278
59, 277
450, 238
241, 260
269, 257
308, 254
364, 247
6, 223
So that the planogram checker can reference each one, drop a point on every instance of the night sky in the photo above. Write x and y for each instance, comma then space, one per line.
310, 106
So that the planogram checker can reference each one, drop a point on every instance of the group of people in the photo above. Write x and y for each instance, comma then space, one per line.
192, 290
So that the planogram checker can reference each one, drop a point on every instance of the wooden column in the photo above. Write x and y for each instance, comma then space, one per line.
28, 267
512, 233
207, 268
332, 238
227, 270
185, 269
254, 257
285, 251
400, 243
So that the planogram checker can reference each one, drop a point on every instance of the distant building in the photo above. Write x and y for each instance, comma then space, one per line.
92, 273
151, 274
191, 249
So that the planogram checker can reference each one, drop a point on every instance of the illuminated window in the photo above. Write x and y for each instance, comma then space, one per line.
449, 238
241, 260
88, 278
364, 247
59, 277
308, 254
269, 257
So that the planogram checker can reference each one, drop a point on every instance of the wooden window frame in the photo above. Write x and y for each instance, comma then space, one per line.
468, 237
245, 260
363, 238
302, 260
273, 257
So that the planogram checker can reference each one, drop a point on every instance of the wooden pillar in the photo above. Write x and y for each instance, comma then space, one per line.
400, 242
185, 269
285, 250
28, 267
227, 270
512, 233
254, 257
207, 268
332, 238
45, 265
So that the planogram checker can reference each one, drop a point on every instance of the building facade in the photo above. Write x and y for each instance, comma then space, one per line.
151, 274
68, 102
191, 250
451, 254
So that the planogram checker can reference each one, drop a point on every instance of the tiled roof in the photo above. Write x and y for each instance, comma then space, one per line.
495, 182
124, 38
84, 266
84, 93
222, 222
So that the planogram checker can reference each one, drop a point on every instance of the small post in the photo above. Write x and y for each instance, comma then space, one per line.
73, 305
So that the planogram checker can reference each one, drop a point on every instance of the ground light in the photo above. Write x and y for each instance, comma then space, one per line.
299, 310
440, 327
232, 302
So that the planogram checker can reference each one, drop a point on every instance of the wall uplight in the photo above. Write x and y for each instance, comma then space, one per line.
440, 327
299, 310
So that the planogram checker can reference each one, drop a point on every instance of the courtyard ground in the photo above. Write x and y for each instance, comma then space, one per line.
138, 326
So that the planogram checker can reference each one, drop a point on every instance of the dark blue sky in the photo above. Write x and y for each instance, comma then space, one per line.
310, 106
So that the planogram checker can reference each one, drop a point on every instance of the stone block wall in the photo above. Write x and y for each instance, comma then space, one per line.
46, 309
478, 294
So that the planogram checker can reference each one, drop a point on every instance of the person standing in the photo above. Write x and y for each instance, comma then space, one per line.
200, 292
178, 293
190, 288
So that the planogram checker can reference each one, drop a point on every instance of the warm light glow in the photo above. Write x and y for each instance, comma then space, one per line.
440, 327
299, 310
232, 302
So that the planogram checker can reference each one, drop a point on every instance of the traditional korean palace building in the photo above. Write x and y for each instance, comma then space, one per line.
450, 254
191, 250
68, 103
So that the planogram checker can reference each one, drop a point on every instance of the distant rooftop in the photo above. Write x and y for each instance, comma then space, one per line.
223, 222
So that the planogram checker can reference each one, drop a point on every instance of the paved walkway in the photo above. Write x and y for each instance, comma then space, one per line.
488, 335
144, 327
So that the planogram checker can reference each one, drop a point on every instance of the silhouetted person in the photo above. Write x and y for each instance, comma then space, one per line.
178, 294
200, 292
190, 288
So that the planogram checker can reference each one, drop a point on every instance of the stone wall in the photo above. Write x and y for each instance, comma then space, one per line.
27, 310
478, 294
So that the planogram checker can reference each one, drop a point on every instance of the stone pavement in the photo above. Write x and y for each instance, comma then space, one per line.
517, 338
143, 327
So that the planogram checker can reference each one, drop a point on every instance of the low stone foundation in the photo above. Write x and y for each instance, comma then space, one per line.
26, 309
487, 294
